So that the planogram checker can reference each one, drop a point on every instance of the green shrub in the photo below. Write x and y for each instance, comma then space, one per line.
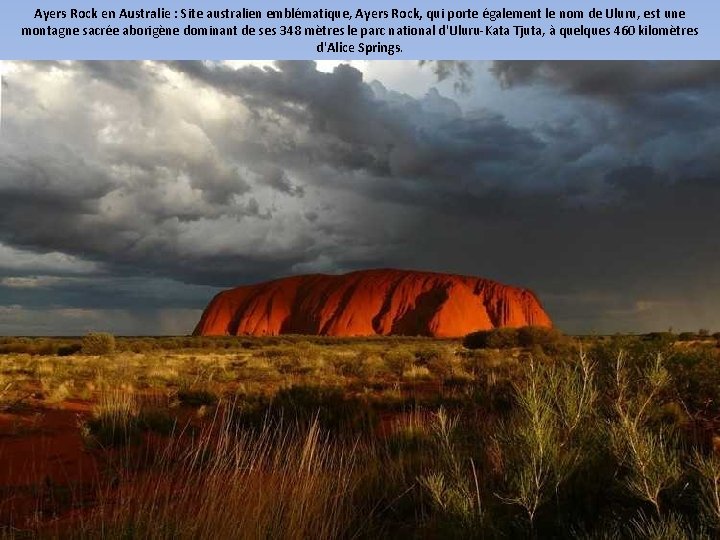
649, 454
545, 442
98, 343
452, 486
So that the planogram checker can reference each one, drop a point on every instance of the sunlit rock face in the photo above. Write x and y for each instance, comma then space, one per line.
371, 302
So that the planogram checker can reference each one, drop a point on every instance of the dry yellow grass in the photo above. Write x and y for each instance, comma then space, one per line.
229, 483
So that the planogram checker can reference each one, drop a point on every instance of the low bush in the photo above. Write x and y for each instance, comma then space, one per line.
98, 343
696, 376
497, 338
69, 350
549, 340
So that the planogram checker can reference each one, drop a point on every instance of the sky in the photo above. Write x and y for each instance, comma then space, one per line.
132, 192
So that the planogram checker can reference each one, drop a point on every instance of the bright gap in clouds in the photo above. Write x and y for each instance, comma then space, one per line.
400, 76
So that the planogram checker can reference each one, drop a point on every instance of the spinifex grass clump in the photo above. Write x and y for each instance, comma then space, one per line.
410, 430
119, 419
115, 420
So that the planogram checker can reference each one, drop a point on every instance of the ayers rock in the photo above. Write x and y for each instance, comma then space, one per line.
371, 302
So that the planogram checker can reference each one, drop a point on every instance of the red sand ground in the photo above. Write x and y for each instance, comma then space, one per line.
50, 480
49, 477
46, 469
371, 302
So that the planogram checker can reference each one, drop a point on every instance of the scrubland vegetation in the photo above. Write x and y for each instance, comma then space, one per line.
506, 434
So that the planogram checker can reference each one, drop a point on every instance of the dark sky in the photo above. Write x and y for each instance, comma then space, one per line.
130, 192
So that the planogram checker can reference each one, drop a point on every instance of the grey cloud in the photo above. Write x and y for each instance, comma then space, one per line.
277, 178
612, 79
97, 292
125, 75
460, 71
15, 261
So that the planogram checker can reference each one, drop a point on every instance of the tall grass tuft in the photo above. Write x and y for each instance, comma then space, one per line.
225, 482
115, 419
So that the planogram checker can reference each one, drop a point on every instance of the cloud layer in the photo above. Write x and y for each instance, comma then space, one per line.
133, 190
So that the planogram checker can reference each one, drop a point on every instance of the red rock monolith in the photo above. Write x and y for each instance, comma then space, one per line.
371, 302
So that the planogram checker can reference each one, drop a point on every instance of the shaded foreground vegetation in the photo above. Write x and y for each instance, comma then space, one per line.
513, 434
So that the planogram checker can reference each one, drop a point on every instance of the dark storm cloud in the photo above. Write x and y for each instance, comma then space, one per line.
90, 292
149, 175
614, 80
460, 71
